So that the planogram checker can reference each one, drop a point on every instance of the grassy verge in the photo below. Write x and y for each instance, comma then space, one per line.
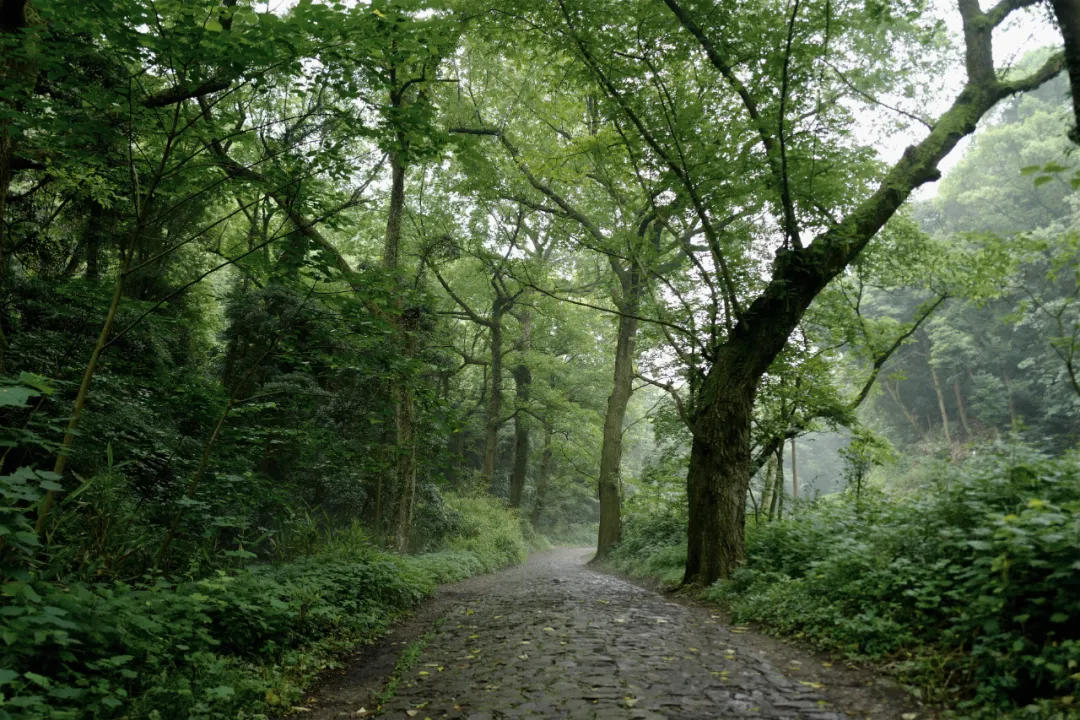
237, 644
405, 662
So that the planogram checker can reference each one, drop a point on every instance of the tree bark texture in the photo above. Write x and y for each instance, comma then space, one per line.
522, 383
542, 480
768, 492
404, 404
719, 472
962, 408
941, 405
610, 531
794, 473
522, 380
491, 437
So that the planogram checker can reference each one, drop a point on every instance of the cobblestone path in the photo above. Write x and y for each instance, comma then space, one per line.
554, 639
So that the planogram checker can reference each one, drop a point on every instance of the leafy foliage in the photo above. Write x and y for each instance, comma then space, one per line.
244, 641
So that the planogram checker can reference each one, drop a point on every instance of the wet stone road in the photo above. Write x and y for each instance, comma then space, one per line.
554, 639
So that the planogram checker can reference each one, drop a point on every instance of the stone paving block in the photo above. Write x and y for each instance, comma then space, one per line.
593, 647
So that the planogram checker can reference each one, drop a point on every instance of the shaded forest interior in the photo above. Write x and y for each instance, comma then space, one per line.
306, 308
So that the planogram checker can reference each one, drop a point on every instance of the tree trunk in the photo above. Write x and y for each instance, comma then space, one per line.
542, 479
1068, 19
768, 493
941, 405
776, 489
404, 405
455, 449
84, 389
522, 378
392, 247
405, 417
1014, 420
719, 473
13, 21
962, 408
522, 382
5, 184
794, 473
894, 393
96, 228
491, 438
719, 477
611, 451
780, 483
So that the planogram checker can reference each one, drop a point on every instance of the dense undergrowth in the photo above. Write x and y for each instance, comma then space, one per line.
238, 643
966, 587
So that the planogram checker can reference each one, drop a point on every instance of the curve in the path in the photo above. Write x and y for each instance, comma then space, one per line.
553, 639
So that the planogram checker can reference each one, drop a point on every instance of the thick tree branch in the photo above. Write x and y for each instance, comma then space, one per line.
180, 93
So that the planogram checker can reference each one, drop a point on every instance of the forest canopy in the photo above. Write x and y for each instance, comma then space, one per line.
397, 290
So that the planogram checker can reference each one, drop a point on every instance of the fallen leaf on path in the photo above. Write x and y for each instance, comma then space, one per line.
412, 713
815, 685
630, 702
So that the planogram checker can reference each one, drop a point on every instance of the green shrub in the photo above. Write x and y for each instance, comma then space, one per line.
976, 582
487, 529
653, 545
237, 642
571, 535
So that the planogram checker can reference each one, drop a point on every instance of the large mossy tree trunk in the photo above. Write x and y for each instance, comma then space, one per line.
719, 473
720, 463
